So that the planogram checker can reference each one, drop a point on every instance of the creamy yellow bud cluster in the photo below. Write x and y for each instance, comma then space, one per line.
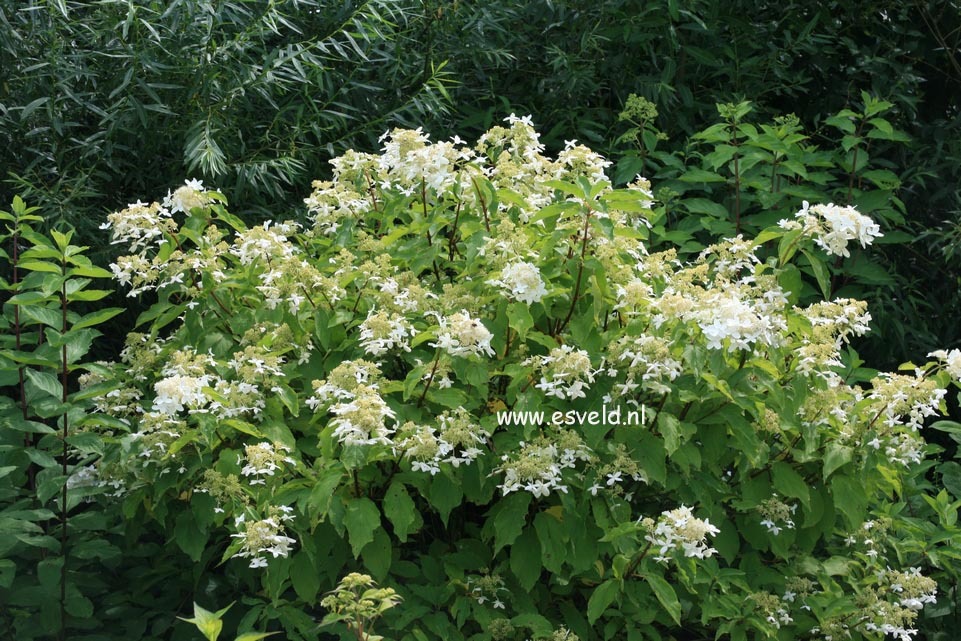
772, 608
538, 466
679, 531
647, 362
565, 372
776, 515
357, 599
351, 393
225, 489
832, 227
621, 467
456, 440
258, 538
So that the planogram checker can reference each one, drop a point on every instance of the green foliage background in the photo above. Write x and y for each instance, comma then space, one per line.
102, 103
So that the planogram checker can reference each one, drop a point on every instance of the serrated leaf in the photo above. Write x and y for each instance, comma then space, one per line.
304, 577
666, 595
601, 599
362, 519
254, 636
46, 382
789, 483
399, 509
509, 517
95, 318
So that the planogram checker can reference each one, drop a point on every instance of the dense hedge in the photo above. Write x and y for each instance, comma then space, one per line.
478, 394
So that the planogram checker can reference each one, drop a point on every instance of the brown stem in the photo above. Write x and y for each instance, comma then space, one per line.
453, 234
580, 274
63, 462
371, 190
483, 203
309, 297
854, 163
423, 197
637, 560
27, 438
430, 379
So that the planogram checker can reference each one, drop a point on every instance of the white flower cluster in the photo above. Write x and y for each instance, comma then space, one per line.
951, 361
565, 372
331, 203
679, 530
188, 196
833, 227
455, 440
724, 316
489, 587
896, 602
267, 242
352, 394
461, 335
777, 515
139, 225
521, 280
906, 400
381, 332
649, 363
537, 467
267, 536
263, 459
175, 393
773, 609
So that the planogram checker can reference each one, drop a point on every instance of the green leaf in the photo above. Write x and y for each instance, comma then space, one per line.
254, 636
207, 622
666, 595
519, 316
289, 398
39, 266
509, 516
525, 559
705, 206
821, 273
400, 510
601, 598
304, 577
850, 498
444, 495
29, 298
46, 315
322, 494
789, 483
95, 318
550, 534
539, 626
836, 456
377, 555
46, 382
48, 572
88, 295
189, 537
17, 422
696, 175
89, 271
362, 519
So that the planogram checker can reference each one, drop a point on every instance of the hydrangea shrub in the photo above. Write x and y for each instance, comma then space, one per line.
429, 379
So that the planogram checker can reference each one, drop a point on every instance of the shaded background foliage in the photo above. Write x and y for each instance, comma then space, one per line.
103, 102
